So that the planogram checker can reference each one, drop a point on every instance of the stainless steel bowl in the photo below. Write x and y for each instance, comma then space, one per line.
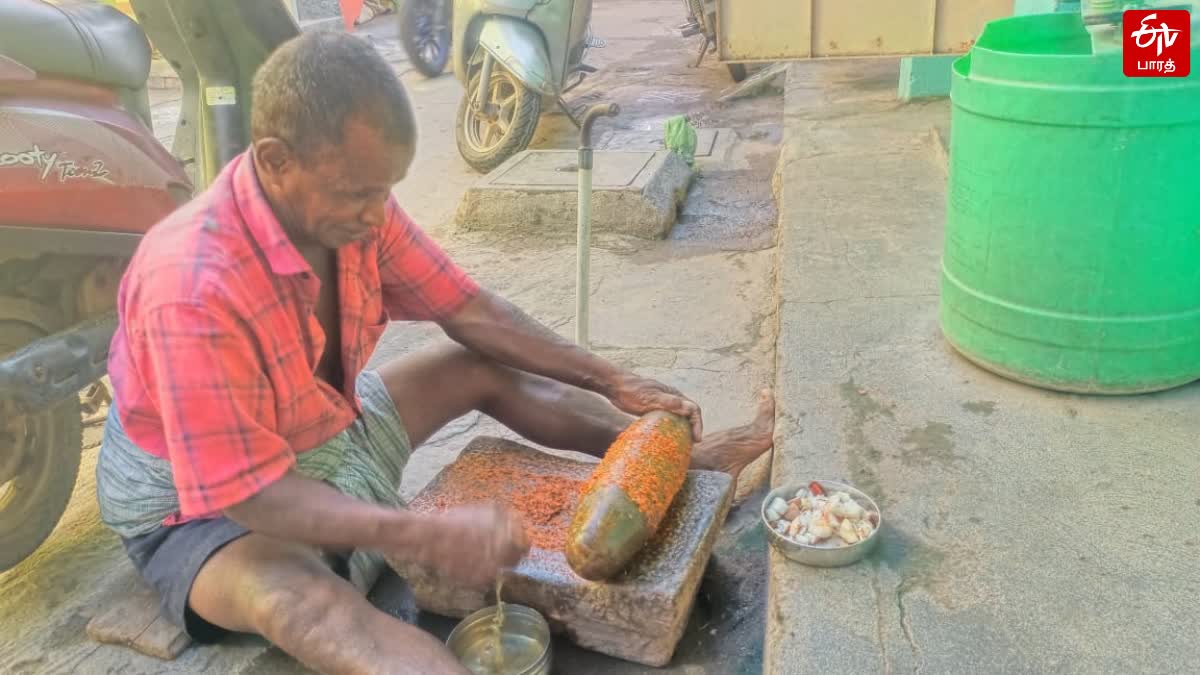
821, 556
471, 640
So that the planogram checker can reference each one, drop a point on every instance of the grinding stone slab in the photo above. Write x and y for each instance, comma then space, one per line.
640, 615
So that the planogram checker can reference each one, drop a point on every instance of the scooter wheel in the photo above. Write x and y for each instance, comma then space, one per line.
34, 498
426, 44
487, 143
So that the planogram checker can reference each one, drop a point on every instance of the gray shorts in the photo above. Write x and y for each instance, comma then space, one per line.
136, 493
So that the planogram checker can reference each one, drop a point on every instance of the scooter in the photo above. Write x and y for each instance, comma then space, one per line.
528, 53
82, 178
425, 34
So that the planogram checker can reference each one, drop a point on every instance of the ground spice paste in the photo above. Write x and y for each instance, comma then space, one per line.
545, 503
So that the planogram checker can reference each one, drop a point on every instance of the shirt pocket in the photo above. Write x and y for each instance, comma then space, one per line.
364, 298
371, 333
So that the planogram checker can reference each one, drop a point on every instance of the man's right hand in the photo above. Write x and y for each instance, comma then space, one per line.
471, 544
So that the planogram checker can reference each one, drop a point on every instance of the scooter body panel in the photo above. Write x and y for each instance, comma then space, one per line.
81, 163
581, 21
215, 47
516, 8
560, 27
519, 48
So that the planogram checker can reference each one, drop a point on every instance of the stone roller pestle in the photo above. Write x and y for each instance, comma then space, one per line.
627, 496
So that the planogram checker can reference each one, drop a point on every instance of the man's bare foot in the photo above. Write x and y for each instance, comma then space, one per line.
733, 449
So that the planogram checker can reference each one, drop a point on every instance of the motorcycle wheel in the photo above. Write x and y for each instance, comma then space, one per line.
425, 41
39, 462
487, 142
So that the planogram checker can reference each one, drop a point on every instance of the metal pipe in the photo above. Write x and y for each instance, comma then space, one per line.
583, 235
583, 238
589, 118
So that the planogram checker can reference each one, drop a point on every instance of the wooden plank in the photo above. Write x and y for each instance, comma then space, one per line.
135, 621
870, 27
754, 83
960, 22
764, 30
775, 30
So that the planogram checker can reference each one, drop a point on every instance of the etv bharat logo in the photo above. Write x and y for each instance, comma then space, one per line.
1157, 43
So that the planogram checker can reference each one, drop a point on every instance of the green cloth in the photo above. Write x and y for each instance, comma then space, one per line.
680, 137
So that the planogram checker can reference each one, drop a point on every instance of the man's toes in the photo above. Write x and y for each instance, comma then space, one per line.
766, 396
764, 421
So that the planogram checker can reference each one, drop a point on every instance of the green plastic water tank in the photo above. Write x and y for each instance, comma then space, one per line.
1072, 245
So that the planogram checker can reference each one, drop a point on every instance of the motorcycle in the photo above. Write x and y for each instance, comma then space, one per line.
425, 34
82, 178
702, 20
526, 54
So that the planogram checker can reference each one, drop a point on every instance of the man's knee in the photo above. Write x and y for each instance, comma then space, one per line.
448, 362
465, 361
302, 607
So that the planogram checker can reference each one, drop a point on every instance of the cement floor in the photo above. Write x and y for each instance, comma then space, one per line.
1026, 531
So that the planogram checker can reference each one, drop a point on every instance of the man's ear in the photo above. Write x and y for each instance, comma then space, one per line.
275, 158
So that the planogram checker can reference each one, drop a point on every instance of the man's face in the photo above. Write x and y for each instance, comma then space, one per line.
338, 195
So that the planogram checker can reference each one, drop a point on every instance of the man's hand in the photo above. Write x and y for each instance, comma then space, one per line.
639, 395
471, 544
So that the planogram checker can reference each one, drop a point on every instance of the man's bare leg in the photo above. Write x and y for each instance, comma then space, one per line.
440, 384
286, 593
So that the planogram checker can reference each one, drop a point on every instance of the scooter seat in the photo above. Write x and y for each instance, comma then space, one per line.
75, 39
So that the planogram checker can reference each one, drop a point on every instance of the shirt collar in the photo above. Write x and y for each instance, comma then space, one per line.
264, 227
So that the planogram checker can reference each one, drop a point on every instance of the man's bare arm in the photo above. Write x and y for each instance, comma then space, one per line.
297, 508
468, 544
495, 328
499, 330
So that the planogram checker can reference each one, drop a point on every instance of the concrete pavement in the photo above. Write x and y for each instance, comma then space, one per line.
1026, 531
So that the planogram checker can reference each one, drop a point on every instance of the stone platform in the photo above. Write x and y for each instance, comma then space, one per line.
639, 616
633, 192
712, 144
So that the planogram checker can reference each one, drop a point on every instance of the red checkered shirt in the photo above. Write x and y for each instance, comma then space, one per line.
213, 361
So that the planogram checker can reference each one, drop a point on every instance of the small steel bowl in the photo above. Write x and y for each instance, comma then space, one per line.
470, 638
822, 556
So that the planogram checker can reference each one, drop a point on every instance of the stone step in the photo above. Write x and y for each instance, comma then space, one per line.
634, 193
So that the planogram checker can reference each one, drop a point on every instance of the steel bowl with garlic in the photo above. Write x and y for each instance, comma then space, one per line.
822, 523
